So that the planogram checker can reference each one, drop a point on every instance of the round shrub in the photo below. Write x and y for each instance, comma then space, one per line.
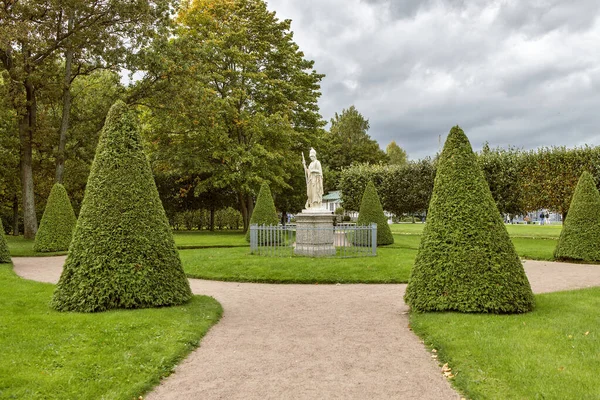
580, 237
466, 261
56, 228
371, 211
122, 254
264, 212
4, 253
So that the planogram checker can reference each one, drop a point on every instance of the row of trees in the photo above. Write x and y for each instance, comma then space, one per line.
221, 111
520, 181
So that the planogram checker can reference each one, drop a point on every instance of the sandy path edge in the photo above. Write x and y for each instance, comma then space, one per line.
314, 341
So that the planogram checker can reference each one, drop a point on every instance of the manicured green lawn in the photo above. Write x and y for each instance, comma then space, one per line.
224, 255
550, 353
20, 247
199, 239
121, 354
535, 249
515, 230
392, 265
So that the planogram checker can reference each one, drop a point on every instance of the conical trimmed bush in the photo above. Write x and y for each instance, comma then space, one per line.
371, 211
580, 236
466, 261
264, 212
4, 252
122, 254
56, 228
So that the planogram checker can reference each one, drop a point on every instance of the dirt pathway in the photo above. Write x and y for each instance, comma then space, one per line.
314, 341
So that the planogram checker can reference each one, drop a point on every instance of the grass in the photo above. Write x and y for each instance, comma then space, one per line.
550, 353
224, 255
515, 230
111, 355
392, 265
20, 247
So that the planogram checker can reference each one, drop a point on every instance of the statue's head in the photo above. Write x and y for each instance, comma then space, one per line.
312, 153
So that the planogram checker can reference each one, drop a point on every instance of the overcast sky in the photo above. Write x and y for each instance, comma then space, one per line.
521, 72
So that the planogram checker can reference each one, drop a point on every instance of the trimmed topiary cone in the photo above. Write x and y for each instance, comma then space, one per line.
122, 254
4, 252
372, 211
580, 236
466, 261
264, 212
56, 228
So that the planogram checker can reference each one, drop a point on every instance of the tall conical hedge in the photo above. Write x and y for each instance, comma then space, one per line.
4, 253
372, 211
56, 228
580, 235
123, 254
466, 261
264, 212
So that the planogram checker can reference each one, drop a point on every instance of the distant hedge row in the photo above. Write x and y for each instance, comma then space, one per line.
520, 181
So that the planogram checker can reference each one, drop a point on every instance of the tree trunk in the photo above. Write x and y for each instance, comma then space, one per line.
26, 128
250, 206
283, 218
212, 219
244, 212
66, 110
15, 227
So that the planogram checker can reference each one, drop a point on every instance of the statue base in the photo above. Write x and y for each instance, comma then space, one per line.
314, 233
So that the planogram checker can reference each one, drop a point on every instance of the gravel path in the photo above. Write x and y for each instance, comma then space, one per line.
314, 341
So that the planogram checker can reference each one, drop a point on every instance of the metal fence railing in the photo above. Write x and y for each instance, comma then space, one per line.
349, 240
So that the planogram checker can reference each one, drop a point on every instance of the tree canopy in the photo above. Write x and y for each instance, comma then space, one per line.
348, 142
233, 109
396, 154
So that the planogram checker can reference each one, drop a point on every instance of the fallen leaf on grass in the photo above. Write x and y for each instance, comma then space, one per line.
587, 333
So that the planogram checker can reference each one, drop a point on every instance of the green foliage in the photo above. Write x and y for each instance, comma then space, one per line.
404, 189
580, 237
56, 228
502, 171
371, 211
549, 176
348, 141
407, 190
466, 261
123, 254
4, 252
235, 109
264, 211
353, 181
396, 154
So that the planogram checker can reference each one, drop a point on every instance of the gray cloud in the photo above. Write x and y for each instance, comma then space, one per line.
521, 73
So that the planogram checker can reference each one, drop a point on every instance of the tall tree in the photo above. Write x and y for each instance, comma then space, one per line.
348, 141
396, 154
235, 101
34, 35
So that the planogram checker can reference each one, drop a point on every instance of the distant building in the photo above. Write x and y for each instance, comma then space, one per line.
332, 200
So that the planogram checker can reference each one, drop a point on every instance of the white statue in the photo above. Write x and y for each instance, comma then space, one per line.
314, 181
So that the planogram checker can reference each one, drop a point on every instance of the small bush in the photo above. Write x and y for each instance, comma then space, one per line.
371, 211
56, 228
580, 237
4, 253
123, 254
264, 211
466, 261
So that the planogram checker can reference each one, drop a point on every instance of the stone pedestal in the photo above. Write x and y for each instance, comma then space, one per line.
314, 233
